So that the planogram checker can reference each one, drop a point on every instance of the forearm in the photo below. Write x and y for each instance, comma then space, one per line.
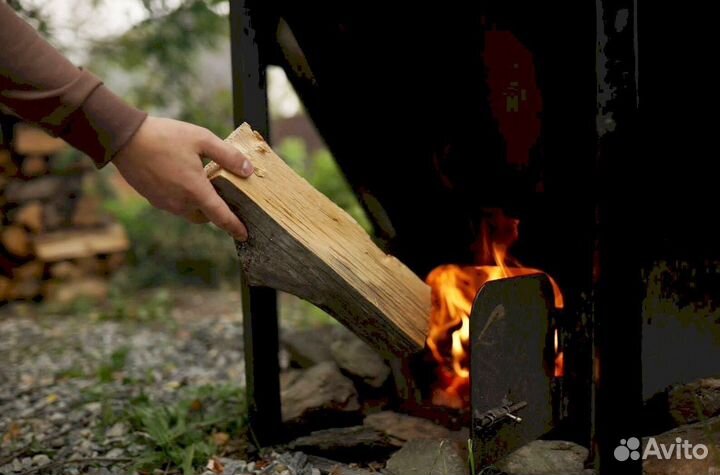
38, 84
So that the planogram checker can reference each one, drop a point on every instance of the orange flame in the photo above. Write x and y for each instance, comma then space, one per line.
453, 290
559, 359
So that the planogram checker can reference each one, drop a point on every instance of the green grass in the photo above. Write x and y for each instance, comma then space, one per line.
115, 363
179, 435
123, 304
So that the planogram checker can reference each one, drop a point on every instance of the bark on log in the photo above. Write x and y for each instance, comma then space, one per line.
302, 243
44, 188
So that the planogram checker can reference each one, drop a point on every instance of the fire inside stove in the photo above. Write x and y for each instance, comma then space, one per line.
453, 291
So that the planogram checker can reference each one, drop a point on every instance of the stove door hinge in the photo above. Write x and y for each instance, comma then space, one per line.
505, 413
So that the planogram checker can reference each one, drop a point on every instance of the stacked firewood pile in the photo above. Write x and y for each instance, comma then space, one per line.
55, 241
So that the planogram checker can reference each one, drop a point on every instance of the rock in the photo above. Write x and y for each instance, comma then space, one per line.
699, 400
117, 430
428, 457
321, 388
357, 358
707, 433
115, 453
402, 428
347, 444
326, 466
545, 457
17, 465
288, 377
309, 347
40, 460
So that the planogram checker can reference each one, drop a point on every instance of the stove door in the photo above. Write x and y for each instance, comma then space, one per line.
511, 378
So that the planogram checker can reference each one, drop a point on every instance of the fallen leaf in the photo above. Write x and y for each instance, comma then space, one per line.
220, 438
13, 433
215, 466
52, 398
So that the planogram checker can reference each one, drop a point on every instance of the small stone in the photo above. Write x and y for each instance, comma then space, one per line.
94, 407
40, 460
115, 453
346, 444
287, 378
706, 433
357, 358
428, 457
309, 347
321, 389
699, 400
118, 430
545, 457
57, 417
401, 427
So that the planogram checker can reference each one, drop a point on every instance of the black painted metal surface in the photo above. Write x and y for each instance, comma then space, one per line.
260, 316
510, 371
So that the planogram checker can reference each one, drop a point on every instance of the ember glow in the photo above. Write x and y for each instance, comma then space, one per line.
453, 291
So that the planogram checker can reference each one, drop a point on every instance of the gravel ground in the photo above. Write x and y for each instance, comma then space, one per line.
64, 379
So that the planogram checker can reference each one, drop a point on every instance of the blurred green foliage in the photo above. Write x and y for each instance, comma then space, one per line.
160, 58
180, 434
158, 66
167, 250
321, 171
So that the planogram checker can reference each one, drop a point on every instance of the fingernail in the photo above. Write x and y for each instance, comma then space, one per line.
247, 168
241, 237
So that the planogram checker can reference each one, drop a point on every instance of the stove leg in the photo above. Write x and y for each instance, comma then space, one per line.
260, 334
248, 34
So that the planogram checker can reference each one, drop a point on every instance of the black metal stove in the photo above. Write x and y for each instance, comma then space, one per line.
420, 78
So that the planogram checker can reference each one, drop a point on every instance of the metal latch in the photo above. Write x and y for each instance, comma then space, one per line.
506, 412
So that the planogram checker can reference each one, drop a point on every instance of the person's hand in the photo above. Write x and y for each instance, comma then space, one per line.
162, 162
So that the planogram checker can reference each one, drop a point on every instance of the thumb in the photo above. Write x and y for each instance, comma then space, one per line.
227, 156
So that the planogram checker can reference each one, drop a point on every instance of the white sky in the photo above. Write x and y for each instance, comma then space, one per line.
76, 22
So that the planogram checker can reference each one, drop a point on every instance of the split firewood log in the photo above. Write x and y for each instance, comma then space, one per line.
73, 244
302, 243
16, 241
29, 215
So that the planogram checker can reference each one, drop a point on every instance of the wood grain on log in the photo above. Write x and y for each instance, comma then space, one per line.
62, 245
302, 243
